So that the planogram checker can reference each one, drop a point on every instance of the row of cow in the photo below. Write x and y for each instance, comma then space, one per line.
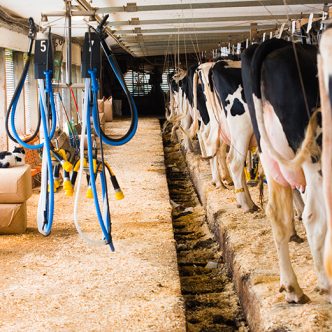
269, 99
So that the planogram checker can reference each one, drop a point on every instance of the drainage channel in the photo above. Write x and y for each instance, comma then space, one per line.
210, 301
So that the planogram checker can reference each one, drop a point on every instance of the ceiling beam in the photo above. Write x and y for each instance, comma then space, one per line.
85, 5
137, 22
132, 7
194, 30
181, 38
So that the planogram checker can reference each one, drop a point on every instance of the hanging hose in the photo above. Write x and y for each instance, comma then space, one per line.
18, 90
46, 198
42, 106
86, 130
117, 71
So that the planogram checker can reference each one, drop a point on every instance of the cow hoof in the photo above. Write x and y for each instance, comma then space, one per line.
304, 299
238, 206
321, 291
292, 298
255, 208
296, 238
227, 182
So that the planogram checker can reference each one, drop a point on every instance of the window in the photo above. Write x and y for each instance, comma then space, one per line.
27, 100
10, 78
164, 84
10, 83
138, 83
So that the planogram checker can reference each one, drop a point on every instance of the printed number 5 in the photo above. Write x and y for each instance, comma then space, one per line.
43, 45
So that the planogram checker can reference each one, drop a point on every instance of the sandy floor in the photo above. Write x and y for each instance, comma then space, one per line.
251, 255
59, 283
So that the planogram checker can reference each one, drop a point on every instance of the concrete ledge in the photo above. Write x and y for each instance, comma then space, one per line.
250, 255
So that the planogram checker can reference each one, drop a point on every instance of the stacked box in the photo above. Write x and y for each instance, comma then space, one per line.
102, 121
108, 109
101, 105
15, 190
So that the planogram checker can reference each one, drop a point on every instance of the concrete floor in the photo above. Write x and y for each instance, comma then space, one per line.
60, 283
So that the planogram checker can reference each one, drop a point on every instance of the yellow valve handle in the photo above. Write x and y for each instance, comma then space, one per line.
62, 153
94, 165
67, 166
67, 185
119, 195
69, 192
56, 183
89, 193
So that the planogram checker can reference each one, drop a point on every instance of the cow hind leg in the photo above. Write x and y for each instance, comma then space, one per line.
298, 208
215, 172
211, 149
224, 171
314, 219
236, 157
185, 124
280, 211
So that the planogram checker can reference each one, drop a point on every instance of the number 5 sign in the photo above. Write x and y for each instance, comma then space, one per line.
43, 57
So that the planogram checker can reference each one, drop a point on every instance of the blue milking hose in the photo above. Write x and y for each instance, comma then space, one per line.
117, 71
106, 234
132, 130
47, 226
13, 111
45, 229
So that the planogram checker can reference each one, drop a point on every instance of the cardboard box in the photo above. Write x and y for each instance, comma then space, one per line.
108, 109
15, 184
13, 218
102, 118
101, 105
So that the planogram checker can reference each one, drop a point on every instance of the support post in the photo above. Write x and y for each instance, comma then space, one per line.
68, 42
253, 32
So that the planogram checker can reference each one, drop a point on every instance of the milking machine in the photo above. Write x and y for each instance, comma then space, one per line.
43, 74
90, 71
57, 150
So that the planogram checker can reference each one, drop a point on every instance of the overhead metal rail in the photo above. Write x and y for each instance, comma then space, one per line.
132, 7
191, 29
187, 37
85, 5
246, 18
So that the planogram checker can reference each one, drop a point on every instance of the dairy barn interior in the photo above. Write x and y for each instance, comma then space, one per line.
165, 165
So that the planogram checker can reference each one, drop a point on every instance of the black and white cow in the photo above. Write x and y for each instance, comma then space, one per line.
283, 101
229, 121
325, 84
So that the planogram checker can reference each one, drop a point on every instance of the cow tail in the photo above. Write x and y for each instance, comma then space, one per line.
195, 110
308, 144
325, 88
192, 131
